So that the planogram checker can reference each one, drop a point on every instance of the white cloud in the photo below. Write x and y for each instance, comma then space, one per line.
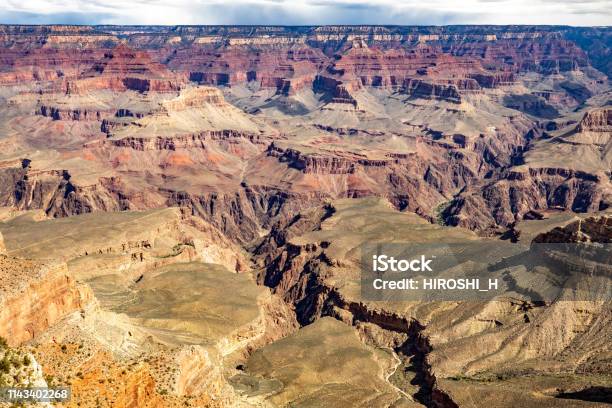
571, 12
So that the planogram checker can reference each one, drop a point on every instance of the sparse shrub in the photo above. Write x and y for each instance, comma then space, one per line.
439, 211
49, 379
17, 362
5, 365
459, 378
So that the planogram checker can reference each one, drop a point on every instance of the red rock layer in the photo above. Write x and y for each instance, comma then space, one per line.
286, 58
46, 298
597, 120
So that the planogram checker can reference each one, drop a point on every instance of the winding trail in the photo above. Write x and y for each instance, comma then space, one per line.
398, 363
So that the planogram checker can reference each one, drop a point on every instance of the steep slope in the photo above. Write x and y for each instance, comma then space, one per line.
568, 169
34, 297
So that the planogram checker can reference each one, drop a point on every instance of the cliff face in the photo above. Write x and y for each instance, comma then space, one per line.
109, 348
35, 297
54, 191
420, 89
589, 230
505, 201
288, 57
597, 120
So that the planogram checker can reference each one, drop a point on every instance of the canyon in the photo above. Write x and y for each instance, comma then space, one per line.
183, 208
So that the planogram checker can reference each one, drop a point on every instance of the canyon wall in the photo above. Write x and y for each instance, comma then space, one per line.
34, 303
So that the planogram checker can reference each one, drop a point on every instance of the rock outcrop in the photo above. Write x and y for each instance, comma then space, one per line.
588, 230
19, 369
34, 297
597, 120
516, 194
420, 89
125, 69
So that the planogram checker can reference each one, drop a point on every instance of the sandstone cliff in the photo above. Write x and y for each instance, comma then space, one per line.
34, 297
597, 120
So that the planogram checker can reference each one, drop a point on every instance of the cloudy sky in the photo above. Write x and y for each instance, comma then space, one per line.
306, 12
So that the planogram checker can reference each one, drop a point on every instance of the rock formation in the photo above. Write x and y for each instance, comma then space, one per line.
589, 230
34, 297
599, 120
